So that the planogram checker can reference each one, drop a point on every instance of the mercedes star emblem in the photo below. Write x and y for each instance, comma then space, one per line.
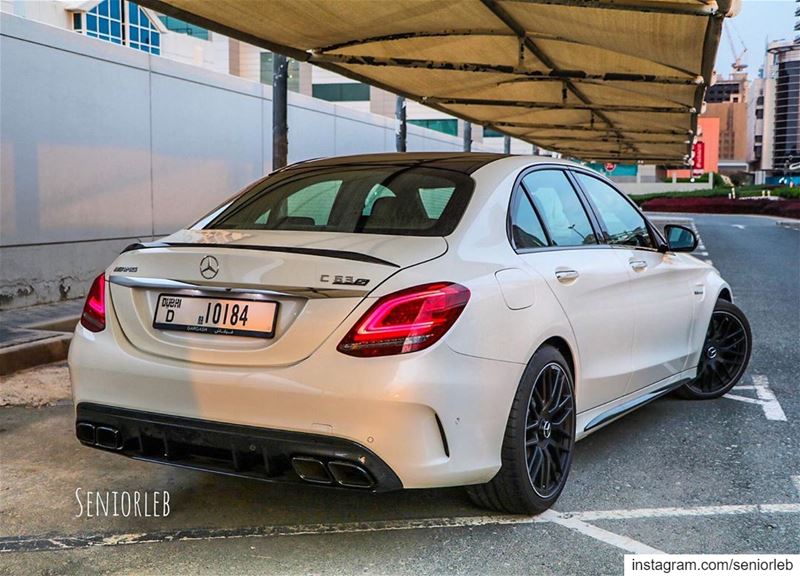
209, 267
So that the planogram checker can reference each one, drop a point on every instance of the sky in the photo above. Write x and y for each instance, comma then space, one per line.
757, 21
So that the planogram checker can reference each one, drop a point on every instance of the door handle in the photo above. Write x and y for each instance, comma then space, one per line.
565, 276
638, 265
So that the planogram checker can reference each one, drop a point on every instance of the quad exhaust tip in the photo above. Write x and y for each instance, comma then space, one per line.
85, 432
346, 474
311, 470
102, 436
350, 475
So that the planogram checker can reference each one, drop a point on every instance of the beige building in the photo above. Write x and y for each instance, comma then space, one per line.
727, 99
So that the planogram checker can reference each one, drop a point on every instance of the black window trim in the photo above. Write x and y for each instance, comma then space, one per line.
655, 236
519, 188
529, 197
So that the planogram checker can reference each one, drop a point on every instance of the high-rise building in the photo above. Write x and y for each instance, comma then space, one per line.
775, 147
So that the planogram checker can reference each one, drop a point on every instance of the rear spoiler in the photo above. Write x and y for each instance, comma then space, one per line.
340, 254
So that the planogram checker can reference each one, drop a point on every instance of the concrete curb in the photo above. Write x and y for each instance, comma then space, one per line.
791, 224
30, 354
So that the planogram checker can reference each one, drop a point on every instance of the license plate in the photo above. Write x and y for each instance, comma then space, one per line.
217, 316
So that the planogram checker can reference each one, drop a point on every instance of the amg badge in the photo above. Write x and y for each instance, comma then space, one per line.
344, 280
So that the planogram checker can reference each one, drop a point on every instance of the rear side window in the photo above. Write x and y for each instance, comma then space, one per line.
398, 200
526, 229
560, 208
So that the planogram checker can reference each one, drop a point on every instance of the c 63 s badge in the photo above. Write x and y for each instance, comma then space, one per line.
343, 280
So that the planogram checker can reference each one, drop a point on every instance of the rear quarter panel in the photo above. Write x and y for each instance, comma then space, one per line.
714, 285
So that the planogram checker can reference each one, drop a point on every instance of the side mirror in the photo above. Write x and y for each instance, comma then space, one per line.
680, 238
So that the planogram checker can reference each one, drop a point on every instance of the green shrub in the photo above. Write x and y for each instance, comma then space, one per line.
716, 192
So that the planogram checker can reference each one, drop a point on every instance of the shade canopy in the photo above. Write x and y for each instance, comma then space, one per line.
604, 80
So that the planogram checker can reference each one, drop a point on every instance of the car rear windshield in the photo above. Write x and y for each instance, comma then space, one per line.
398, 200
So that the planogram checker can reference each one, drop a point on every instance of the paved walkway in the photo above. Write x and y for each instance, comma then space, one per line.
25, 325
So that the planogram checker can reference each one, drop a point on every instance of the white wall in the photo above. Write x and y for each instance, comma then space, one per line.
211, 54
51, 12
102, 145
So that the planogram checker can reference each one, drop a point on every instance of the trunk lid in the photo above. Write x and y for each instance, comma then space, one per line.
316, 278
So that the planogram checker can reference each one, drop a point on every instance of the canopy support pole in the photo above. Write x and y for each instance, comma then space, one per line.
401, 127
467, 136
506, 144
280, 125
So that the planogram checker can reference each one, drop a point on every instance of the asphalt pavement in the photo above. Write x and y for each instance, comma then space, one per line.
676, 476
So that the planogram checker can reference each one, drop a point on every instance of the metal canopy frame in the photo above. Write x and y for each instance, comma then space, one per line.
534, 65
321, 56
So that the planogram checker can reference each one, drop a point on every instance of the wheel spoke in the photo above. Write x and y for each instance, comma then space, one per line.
732, 339
558, 388
555, 458
549, 387
535, 464
564, 402
557, 423
538, 393
724, 373
546, 469
532, 408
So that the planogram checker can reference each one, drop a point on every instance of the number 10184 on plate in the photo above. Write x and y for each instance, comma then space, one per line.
217, 316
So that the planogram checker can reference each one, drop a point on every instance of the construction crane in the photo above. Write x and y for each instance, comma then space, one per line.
738, 65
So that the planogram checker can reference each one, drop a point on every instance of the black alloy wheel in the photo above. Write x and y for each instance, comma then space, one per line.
725, 355
549, 430
539, 440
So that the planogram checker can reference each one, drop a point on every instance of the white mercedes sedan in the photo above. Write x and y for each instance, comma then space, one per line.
401, 321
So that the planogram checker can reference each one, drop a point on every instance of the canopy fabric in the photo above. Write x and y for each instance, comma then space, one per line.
603, 80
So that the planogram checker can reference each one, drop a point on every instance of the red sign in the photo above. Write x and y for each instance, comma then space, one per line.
610, 166
699, 155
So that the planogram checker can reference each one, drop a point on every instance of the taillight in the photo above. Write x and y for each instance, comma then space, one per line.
406, 321
94, 310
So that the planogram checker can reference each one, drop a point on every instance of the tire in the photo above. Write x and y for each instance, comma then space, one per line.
539, 440
725, 355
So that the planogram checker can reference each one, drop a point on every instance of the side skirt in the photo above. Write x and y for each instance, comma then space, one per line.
594, 419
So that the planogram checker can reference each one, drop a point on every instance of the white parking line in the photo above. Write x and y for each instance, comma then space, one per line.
743, 399
770, 404
726, 510
576, 521
617, 540
765, 398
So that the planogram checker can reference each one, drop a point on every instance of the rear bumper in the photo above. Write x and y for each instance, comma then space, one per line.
236, 450
436, 418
